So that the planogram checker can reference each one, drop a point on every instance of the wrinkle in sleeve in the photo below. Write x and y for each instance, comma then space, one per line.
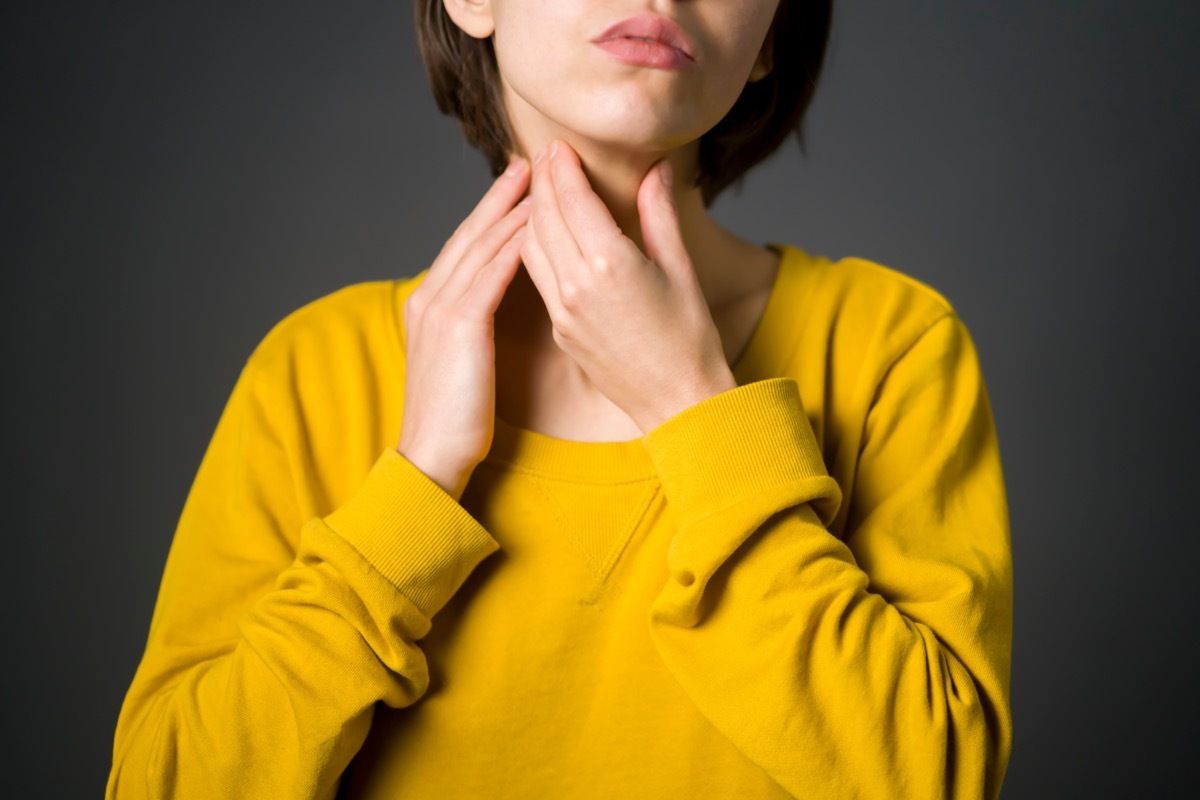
274, 637
871, 667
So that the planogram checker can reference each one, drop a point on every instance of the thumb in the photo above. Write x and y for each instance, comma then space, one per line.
660, 220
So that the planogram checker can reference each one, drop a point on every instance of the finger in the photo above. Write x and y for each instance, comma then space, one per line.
539, 269
483, 250
505, 191
551, 231
493, 280
661, 233
584, 213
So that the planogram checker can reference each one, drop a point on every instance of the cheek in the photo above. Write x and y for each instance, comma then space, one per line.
531, 37
741, 36
538, 82
535, 60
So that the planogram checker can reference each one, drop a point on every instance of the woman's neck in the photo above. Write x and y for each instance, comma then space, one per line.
615, 174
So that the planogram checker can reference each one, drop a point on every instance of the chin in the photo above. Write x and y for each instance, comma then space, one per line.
633, 125
636, 115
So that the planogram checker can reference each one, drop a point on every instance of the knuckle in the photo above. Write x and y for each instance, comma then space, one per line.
571, 294
450, 324
414, 305
434, 312
461, 316
602, 265
442, 313
560, 336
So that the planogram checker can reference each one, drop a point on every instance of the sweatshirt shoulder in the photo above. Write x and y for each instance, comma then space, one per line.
360, 317
884, 280
860, 284
855, 301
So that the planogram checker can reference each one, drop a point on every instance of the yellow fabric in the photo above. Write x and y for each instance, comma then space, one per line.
762, 598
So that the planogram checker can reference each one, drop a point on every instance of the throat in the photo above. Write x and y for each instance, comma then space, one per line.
544, 391
538, 386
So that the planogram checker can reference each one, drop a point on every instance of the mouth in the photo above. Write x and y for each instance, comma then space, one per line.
648, 40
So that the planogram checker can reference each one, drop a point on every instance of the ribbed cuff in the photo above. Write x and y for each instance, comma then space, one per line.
736, 445
414, 533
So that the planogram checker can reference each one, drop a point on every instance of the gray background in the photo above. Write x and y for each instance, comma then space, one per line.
179, 176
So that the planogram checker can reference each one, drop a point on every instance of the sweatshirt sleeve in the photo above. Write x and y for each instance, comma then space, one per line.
875, 665
273, 637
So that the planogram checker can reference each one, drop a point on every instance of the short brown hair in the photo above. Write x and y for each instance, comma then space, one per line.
465, 81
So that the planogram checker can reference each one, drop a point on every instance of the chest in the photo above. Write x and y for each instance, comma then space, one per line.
540, 389
545, 681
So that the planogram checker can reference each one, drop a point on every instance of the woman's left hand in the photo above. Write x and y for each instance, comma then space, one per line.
638, 326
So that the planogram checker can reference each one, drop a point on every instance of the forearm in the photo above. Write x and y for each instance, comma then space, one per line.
281, 704
825, 684
877, 676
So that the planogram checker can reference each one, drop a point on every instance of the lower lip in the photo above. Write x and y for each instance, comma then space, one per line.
646, 54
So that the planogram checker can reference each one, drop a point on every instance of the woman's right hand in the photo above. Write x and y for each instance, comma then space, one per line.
450, 348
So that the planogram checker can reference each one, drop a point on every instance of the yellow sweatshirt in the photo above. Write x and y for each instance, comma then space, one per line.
763, 598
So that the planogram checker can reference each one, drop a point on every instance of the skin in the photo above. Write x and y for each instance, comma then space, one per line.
632, 301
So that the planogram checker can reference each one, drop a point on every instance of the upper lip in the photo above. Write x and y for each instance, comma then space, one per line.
652, 27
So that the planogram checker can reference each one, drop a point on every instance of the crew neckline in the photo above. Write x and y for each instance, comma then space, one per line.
585, 462
625, 461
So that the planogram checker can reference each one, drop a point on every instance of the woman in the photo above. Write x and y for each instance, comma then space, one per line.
696, 518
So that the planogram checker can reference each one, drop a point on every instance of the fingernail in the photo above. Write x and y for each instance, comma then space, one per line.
526, 201
553, 149
515, 168
666, 174
540, 154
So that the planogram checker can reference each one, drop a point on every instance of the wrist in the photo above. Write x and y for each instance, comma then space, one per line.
688, 394
450, 475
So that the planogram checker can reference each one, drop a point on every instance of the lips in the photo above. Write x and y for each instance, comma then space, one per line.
648, 38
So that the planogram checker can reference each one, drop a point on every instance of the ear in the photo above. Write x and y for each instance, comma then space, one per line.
474, 17
766, 57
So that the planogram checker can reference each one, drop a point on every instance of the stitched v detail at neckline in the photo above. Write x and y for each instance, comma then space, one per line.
598, 520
